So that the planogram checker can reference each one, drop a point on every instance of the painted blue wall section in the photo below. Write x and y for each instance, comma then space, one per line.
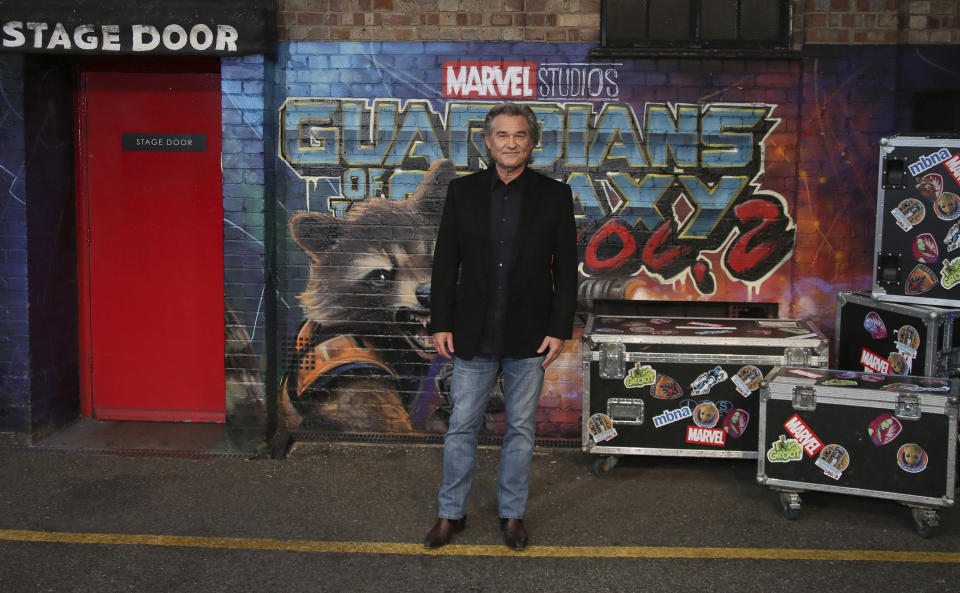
14, 327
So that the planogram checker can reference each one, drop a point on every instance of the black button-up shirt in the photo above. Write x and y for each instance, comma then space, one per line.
505, 203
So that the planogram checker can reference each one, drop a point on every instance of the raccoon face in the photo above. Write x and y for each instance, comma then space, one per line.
403, 277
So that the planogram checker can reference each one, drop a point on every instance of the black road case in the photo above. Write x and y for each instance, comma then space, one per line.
865, 434
917, 241
896, 338
683, 386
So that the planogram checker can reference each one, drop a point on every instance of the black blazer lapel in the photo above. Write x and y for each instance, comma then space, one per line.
532, 196
480, 198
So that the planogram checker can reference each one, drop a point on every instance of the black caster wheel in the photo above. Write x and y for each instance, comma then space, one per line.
602, 466
790, 503
925, 521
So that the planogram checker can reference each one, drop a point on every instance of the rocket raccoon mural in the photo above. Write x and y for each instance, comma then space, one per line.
363, 360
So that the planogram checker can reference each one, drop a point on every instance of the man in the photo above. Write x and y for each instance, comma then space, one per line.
503, 295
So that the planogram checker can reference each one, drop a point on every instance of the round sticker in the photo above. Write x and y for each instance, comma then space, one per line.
706, 415
833, 460
908, 340
912, 458
600, 427
747, 380
912, 210
947, 206
898, 364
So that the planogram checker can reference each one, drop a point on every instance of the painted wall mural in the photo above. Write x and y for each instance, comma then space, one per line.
693, 180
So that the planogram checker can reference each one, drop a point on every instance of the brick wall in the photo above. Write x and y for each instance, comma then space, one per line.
247, 127
882, 21
14, 328
440, 20
814, 21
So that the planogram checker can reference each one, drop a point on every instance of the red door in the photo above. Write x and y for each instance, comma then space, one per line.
151, 236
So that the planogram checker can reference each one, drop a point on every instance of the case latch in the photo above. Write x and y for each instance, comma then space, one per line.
613, 360
804, 398
625, 410
797, 357
908, 407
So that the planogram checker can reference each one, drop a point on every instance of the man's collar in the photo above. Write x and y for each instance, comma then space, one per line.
519, 181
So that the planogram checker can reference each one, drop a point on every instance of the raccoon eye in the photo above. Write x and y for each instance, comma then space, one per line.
379, 276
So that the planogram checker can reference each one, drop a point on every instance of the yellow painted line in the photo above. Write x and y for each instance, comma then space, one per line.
287, 545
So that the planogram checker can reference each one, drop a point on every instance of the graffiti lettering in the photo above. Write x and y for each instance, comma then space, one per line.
577, 81
650, 196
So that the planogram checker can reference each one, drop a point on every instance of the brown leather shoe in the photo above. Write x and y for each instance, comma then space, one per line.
514, 533
439, 534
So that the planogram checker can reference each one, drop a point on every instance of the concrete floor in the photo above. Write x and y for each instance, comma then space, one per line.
350, 517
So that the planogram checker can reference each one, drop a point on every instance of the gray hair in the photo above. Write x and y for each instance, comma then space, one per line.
508, 108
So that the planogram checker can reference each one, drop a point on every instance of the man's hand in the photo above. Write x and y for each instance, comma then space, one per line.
552, 346
443, 342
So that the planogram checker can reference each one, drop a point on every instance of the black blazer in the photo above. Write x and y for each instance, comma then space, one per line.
543, 281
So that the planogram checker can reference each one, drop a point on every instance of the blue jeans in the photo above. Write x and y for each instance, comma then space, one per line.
469, 391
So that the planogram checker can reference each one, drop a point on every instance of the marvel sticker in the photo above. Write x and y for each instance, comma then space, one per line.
912, 458
706, 415
875, 326
600, 427
639, 376
950, 274
873, 362
736, 422
925, 249
747, 380
784, 450
705, 381
908, 340
666, 388
799, 430
883, 429
920, 280
909, 213
833, 460
706, 436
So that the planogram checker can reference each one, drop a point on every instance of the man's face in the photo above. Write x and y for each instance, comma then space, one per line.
509, 141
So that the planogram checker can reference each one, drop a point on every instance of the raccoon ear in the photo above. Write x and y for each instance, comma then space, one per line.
433, 187
315, 233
